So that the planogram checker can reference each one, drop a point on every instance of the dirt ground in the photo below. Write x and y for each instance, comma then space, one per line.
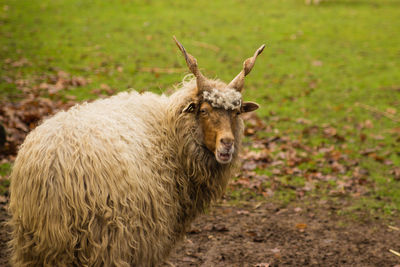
266, 235
270, 235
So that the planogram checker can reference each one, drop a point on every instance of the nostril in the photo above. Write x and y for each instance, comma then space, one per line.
228, 142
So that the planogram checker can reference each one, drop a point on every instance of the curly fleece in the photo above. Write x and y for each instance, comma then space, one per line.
113, 183
227, 99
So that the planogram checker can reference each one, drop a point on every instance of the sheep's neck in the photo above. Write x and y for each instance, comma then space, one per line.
200, 179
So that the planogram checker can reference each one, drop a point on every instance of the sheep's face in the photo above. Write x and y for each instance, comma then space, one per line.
219, 108
219, 121
220, 127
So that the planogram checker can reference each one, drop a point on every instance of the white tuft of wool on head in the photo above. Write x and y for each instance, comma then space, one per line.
227, 99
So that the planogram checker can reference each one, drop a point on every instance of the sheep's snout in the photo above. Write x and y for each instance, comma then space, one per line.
227, 142
224, 149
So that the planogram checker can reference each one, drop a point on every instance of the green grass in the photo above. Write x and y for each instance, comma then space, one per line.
320, 61
5, 169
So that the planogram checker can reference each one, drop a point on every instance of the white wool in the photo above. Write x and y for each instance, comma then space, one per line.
227, 99
115, 182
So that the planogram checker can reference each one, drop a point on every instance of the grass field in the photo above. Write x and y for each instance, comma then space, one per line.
336, 64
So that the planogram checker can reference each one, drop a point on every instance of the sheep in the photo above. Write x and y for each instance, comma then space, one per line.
118, 181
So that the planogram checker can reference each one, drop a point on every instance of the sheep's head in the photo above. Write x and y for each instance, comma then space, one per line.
217, 107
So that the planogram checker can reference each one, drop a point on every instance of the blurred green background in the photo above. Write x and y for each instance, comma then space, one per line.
334, 64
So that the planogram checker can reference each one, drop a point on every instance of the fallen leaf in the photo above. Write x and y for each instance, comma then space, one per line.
396, 173
317, 63
301, 227
297, 209
392, 111
3, 199
245, 212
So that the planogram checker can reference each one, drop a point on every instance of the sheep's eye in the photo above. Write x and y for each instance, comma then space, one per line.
190, 108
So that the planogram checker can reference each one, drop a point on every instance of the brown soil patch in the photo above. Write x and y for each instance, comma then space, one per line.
270, 236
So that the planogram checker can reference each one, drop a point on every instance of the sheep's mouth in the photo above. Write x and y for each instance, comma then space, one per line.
224, 157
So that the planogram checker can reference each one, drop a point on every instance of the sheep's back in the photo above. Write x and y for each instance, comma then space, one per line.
85, 184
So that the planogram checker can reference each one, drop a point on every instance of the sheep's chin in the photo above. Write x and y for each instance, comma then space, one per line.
223, 157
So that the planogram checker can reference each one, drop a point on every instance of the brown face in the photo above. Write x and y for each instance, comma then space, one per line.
218, 126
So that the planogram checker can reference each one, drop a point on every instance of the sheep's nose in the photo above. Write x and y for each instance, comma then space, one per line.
227, 142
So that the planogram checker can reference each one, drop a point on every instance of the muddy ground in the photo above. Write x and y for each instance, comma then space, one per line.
272, 235
269, 235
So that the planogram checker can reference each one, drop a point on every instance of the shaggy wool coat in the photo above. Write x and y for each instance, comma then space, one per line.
113, 183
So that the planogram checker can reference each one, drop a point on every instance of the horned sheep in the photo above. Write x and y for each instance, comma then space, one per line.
117, 182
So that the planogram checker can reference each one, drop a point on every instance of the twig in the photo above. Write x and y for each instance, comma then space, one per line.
162, 70
208, 46
394, 252
375, 110
170, 264
394, 228
257, 205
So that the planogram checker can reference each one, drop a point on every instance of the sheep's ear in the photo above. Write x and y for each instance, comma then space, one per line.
190, 108
249, 106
